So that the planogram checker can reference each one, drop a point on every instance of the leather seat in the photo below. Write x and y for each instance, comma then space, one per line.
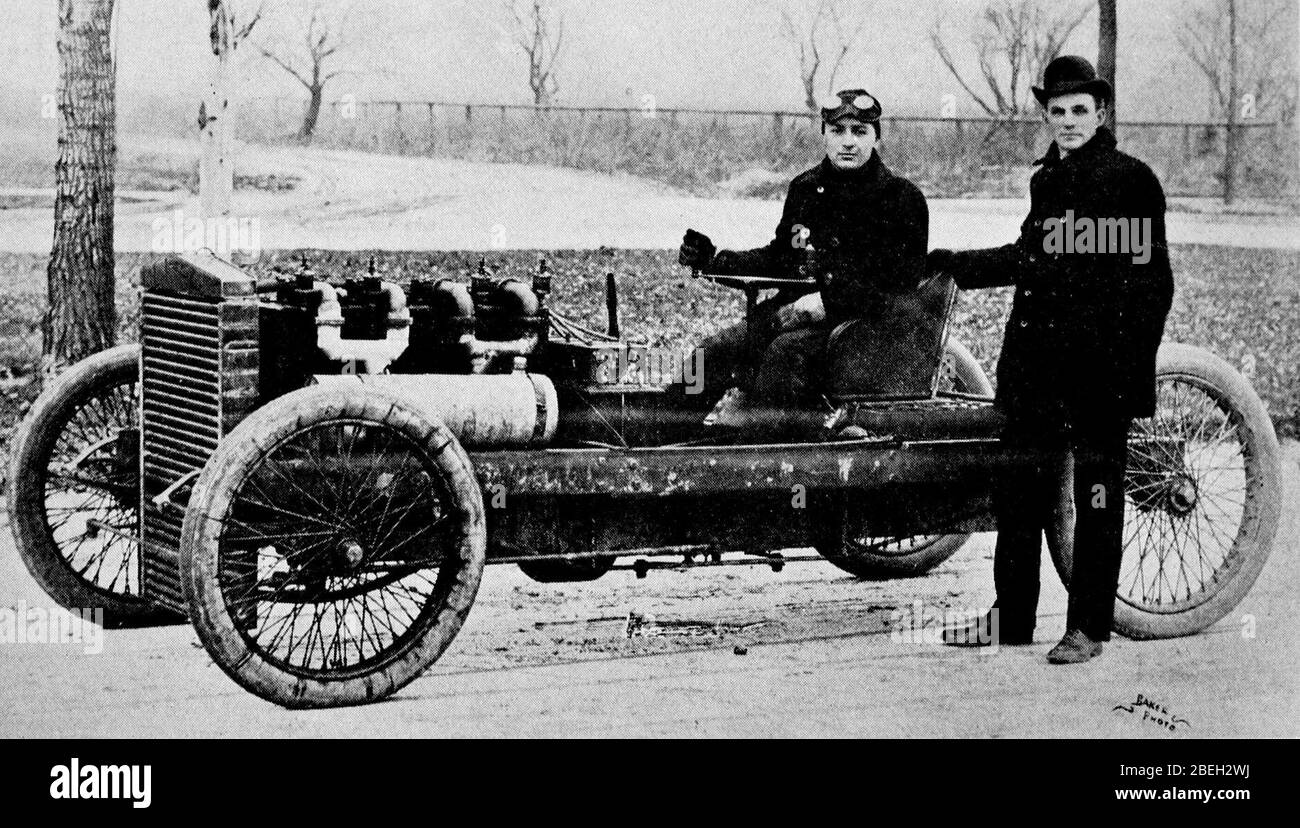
893, 352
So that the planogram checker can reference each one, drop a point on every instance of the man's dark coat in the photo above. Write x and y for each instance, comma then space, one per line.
1084, 327
869, 227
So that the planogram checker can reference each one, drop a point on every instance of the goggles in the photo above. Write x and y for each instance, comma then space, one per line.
858, 104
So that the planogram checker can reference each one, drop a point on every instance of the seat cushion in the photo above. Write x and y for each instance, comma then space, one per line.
893, 351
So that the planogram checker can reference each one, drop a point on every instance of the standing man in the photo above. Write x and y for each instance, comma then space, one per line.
870, 229
1093, 287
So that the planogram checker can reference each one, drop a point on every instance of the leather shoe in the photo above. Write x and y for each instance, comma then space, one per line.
979, 633
732, 411
1075, 648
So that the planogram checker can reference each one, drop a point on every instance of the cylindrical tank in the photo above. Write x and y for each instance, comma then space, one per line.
483, 410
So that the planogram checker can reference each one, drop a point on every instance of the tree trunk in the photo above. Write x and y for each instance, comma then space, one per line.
1230, 149
1107, 37
312, 115
216, 172
82, 319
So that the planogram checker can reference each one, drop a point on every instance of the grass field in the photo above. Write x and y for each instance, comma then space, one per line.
1242, 304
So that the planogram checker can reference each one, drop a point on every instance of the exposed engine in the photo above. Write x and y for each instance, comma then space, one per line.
486, 326
368, 325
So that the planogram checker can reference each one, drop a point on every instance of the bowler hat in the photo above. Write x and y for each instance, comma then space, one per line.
1068, 74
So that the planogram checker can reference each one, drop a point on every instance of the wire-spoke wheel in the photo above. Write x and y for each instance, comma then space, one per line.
837, 531
1203, 497
74, 490
332, 548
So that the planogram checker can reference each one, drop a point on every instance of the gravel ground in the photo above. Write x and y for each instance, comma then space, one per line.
819, 660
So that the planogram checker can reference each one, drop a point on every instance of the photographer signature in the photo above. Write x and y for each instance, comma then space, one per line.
1153, 711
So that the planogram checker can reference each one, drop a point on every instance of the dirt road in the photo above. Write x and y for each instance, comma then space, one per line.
359, 201
658, 657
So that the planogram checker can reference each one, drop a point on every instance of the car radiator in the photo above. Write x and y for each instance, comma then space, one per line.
199, 379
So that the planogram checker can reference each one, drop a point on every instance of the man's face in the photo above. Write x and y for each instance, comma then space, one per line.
849, 143
1074, 119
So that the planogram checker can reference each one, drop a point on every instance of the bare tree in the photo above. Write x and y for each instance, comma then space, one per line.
540, 35
82, 318
1265, 68
1014, 41
314, 56
821, 33
227, 30
1107, 41
1243, 52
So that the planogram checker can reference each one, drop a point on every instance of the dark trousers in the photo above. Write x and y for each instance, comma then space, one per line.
790, 373
1029, 501
726, 358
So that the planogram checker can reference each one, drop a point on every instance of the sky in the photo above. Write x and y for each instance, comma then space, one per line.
725, 54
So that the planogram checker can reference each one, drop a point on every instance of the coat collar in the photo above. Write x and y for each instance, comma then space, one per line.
1102, 142
870, 174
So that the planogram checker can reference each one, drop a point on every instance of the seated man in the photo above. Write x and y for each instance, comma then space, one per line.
870, 230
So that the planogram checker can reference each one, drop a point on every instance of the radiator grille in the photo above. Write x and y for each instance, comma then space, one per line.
181, 402
198, 380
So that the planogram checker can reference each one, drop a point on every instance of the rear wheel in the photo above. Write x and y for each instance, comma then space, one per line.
332, 548
74, 490
838, 534
1203, 499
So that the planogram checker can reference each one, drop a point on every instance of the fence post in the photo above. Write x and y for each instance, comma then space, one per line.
469, 113
776, 126
1230, 138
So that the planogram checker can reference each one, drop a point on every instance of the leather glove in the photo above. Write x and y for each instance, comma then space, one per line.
941, 260
697, 251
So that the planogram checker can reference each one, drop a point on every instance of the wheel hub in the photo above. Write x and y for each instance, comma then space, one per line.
1182, 495
350, 553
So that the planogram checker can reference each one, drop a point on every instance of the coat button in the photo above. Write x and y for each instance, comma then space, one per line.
1028, 292
1024, 324
821, 189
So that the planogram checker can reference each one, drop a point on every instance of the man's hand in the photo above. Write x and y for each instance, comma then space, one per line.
805, 311
697, 251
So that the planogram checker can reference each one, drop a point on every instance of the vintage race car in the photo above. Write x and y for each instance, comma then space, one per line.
314, 474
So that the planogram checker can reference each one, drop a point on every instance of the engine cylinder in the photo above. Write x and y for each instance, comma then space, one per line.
484, 411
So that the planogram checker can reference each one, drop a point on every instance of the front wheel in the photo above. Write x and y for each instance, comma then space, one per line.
1203, 497
837, 532
332, 548
74, 490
